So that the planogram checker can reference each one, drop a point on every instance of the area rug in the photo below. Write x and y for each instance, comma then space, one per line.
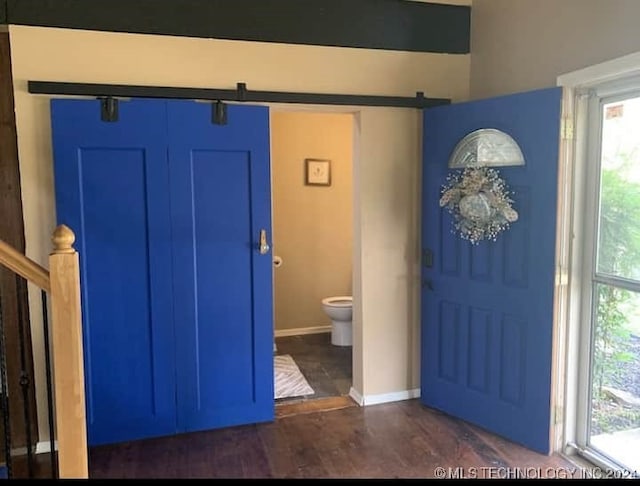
289, 380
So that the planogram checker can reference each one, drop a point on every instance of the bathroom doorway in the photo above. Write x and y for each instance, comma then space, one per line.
312, 208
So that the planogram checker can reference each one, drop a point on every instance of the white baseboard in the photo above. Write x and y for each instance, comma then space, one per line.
383, 397
42, 447
391, 397
355, 395
17, 451
45, 446
302, 330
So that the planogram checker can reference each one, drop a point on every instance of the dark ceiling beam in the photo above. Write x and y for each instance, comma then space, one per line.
374, 24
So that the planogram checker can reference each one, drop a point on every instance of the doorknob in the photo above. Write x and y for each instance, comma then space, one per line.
263, 247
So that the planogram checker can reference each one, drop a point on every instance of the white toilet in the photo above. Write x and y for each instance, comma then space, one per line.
339, 310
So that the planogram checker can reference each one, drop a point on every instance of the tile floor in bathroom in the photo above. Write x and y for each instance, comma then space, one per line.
326, 367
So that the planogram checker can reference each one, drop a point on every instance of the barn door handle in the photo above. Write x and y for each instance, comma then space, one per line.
263, 247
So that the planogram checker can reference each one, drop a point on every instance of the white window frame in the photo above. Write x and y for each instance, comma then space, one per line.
585, 91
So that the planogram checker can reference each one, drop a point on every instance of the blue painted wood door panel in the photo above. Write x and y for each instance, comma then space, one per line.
111, 183
220, 193
487, 314
177, 301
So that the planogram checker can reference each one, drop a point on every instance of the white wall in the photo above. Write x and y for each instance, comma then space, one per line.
519, 45
385, 173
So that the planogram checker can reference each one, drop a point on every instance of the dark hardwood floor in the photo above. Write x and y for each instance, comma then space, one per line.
41, 467
393, 440
326, 367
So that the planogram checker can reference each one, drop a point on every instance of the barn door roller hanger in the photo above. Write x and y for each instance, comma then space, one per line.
109, 111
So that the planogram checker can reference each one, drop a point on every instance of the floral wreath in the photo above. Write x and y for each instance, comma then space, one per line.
480, 202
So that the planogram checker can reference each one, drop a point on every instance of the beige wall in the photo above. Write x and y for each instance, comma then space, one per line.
388, 151
312, 225
519, 45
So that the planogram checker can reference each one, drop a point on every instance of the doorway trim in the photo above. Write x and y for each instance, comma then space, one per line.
607, 77
357, 364
400, 379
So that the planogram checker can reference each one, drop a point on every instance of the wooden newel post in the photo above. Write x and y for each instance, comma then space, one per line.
68, 369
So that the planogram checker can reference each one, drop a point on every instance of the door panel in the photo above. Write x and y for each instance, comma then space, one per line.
222, 276
487, 312
111, 183
220, 192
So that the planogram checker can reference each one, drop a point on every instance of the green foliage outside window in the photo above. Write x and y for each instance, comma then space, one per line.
619, 255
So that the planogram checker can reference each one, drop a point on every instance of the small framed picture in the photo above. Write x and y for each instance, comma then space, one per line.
317, 172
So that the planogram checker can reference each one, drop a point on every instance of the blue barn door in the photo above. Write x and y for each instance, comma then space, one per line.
487, 310
111, 181
168, 210
221, 204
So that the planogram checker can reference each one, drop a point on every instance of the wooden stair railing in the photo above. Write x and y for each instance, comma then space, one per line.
62, 282
23, 266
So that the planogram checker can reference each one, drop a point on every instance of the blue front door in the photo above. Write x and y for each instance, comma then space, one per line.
487, 310
167, 210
